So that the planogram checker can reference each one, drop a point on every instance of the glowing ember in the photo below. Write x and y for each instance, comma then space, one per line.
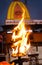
20, 39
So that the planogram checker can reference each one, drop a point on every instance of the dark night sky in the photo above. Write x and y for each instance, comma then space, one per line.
34, 6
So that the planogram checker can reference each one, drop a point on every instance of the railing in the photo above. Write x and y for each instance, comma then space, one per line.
28, 22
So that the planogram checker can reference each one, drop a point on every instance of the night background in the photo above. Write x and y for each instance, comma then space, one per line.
34, 7
35, 38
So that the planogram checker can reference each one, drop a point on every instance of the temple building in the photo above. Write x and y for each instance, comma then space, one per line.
16, 13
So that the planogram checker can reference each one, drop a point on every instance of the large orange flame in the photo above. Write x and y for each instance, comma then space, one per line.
20, 39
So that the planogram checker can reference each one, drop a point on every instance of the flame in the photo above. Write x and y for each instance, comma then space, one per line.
20, 39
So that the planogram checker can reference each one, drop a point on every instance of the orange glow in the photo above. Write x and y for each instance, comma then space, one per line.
20, 39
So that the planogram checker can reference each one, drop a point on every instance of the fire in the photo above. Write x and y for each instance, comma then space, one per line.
20, 39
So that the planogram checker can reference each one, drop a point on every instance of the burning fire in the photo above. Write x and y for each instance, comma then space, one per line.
20, 39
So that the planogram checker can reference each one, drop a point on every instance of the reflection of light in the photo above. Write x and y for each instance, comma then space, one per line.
30, 30
38, 30
9, 31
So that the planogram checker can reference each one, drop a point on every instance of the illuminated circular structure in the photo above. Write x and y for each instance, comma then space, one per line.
15, 11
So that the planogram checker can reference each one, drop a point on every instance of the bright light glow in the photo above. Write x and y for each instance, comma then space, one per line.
9, 31
20, 39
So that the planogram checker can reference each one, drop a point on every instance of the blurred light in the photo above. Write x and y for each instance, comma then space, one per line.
30, 30
9, 31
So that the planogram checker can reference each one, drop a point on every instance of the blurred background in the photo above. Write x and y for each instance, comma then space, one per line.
35, 10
